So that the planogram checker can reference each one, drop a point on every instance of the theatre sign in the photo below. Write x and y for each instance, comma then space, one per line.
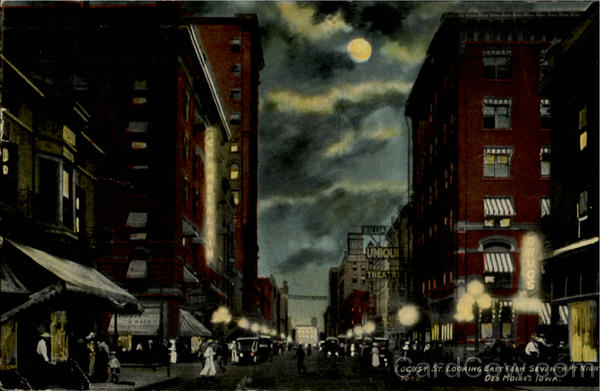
384, 257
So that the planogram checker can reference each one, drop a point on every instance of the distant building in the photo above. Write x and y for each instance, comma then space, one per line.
481, 173
571, 270
306, 335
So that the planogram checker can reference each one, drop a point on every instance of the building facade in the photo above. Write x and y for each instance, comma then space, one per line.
571, 269
234, 49
481, 175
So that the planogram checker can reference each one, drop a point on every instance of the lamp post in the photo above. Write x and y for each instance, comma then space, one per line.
474, 300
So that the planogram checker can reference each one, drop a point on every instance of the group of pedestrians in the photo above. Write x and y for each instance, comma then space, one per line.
214, 356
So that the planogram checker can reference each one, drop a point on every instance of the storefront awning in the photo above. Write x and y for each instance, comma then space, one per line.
145, 324
79, 278
9, 283
189, 326
35, 298
498, 263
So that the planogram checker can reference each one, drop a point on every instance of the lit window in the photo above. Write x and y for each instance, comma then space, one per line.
496, 162
545, 161
545, 113
235, 146
582, 141
234, 172
136, 145
496, 63
583, 117
236, 197
498, 211
497, 113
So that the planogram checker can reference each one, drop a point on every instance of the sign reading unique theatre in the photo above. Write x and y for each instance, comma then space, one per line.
530, 268
373, 252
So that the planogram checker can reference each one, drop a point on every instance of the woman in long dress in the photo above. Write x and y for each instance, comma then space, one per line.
209, 363
375, 359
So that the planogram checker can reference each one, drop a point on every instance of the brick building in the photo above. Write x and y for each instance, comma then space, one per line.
571, 269
234, 49
167, 205
481, 174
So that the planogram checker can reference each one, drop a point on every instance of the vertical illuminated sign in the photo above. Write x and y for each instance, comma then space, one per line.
531, 254
211, 173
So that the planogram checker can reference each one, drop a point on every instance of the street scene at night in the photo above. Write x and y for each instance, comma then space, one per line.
320, 195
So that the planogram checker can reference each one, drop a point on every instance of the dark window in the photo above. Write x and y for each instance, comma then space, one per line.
236, 69
236, 45
497, 113
545, 161
496, 63
545, 113
236, 93
48, 191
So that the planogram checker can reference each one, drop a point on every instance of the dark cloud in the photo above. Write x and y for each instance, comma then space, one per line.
316, 63
304, 257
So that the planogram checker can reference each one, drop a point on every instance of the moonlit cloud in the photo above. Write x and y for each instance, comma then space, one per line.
293, 101
407, 54
353, 187
300, 20
374, 132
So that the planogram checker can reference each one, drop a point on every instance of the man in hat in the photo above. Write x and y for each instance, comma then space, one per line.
41, 360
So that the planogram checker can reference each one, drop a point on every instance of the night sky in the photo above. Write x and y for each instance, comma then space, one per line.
332, 133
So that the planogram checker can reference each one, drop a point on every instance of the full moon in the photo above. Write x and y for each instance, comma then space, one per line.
359, 50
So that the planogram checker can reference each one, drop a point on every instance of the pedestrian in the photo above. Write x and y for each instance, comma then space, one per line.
91, 348
115, 367
172, 352
299, 356
375, 357
532, 350
101, 365
209, 363
41, 362
234, 352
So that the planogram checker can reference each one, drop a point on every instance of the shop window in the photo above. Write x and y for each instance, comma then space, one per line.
545, 161
545, 113
497, 113
496, 162
496, 63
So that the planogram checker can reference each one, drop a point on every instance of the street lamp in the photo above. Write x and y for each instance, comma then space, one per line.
243, 323
255, 328
408, 315
474, 300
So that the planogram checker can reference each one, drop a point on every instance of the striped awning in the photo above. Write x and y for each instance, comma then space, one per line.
137, 219
497, 52
497, 101
545, 206
544, 152
498, 263
498, 206
563, 311
545, 312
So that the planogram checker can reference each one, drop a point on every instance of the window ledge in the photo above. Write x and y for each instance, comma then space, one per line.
501, 178
487, 129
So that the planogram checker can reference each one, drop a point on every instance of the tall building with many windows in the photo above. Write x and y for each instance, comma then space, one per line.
481, 174
571, 269
234, 49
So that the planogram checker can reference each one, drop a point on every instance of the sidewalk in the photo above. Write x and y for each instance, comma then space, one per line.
147, 378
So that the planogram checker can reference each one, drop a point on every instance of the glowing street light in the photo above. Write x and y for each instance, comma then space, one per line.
469, 305
254, 328
369, 327
349, 333
408, 315
221, 315
358, 331
243, 323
